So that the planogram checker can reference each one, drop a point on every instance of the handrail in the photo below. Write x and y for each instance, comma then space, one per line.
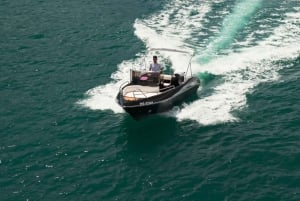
171, 50
167, 88
122, 86
136, 90
189, 68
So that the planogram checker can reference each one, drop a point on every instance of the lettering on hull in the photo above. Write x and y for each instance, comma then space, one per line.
146, 103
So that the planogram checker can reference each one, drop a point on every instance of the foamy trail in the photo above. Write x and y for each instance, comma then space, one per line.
180, 25
103, 97
232, 24
243, 71
156, 31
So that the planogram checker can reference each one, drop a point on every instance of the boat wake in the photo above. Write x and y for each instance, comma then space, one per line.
241, 47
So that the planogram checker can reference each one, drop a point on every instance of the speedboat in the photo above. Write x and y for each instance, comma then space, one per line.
150, 92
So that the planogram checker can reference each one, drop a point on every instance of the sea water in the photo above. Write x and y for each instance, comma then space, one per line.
64, 137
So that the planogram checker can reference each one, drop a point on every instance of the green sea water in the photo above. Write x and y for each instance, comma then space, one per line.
63, 137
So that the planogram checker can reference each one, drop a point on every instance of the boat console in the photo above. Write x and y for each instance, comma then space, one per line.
155, 79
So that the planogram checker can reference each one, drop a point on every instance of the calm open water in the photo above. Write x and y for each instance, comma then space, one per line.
63, 137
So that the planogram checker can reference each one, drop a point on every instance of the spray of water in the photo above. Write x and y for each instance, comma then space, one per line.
232, 24
238, 72
242, 71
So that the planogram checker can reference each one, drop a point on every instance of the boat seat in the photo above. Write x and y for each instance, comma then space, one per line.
140, 91
166, 80
166, 77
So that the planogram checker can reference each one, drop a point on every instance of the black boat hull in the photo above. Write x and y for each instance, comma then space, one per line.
161, 103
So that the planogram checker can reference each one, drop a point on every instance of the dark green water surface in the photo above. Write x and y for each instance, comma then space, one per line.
52, 52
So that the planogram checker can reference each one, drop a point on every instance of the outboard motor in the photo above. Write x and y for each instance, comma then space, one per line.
175, 80
180, 76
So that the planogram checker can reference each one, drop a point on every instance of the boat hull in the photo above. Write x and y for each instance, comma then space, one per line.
160, 103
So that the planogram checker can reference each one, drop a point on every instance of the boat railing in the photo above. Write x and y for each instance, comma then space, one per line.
188, 71
123, 85
189, 68
138, 90
167, 88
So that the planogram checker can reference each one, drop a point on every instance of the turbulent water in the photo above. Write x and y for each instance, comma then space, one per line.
63, 136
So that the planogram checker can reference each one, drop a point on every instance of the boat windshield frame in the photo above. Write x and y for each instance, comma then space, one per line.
191, 54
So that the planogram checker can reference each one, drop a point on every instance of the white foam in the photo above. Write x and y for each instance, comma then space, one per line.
102, 98
241, 71
156, 31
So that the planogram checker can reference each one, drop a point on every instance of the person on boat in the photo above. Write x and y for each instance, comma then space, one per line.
155, 67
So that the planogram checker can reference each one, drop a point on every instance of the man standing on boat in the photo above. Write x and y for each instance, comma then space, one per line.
155, 67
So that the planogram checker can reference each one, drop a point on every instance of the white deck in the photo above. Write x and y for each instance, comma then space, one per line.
138, 91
